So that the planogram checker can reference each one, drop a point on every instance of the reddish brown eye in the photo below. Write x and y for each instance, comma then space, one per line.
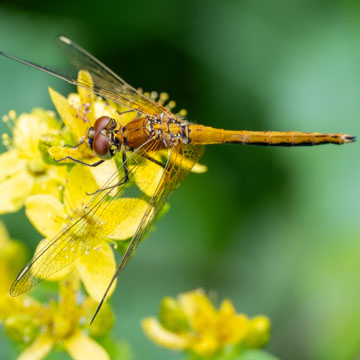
101, 146
101, 123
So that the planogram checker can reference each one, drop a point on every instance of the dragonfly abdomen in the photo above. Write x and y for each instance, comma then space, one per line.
204, 135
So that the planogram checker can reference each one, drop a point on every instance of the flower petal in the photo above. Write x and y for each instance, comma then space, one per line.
81, 347
80, 183
96, 270
199, 168
10, 164
200, 311
163, 337
232, 327
4, 237
13, 192
46, 213
27, 132
69, 115
103, 172
38, 349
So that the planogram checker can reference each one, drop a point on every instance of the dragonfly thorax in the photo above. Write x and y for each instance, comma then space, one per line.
169, 130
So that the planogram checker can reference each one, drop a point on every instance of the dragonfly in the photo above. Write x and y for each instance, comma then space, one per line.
161, 145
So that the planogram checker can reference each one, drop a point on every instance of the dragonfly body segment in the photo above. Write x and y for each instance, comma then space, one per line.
167, 132
158, 150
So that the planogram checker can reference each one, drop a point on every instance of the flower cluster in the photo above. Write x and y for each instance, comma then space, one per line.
40, 327
191, 323
53, 193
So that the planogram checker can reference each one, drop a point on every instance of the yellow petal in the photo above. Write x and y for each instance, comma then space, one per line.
13, 192
96, 269
163, 337
81, 347
59, 153
69, 115
200, 311
46, 213
38, 349
227, 309
80, 183
47, 185
199, 169
205, 346
104, 172
4, 237
27, 133
232, 327
11, 164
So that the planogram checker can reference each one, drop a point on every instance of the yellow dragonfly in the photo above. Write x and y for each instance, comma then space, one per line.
162, 145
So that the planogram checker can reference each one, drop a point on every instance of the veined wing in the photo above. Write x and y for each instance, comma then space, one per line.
180, 162
101, 218
104, 81
147, 189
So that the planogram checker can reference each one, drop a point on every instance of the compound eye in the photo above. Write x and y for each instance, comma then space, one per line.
103, 122
101, 147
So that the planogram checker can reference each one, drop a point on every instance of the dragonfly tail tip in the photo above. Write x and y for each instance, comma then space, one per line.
349, 138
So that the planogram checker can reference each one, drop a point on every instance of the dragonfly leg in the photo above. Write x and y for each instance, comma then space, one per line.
81, 162
146, 156
124, 180
76, 146
125, 112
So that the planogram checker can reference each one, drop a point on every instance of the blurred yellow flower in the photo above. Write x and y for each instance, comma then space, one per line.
23, 170
192, 323
63, 323
12, 258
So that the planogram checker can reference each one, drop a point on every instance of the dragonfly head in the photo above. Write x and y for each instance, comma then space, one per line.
101, 137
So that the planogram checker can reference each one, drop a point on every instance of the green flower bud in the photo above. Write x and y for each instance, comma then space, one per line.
172, 316
258, 332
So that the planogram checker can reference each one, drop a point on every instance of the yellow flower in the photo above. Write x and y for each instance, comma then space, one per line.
192, 323
49, 216
23, 170
62, 323
12, 258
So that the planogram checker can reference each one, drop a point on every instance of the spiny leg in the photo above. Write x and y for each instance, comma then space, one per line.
122, 182
81, 162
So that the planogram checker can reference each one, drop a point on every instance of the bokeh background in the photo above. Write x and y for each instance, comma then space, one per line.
274, 229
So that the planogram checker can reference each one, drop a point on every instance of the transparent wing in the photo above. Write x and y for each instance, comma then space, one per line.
180, 161
138, 200
106, 211
105, 82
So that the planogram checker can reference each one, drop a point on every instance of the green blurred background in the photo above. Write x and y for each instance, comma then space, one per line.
274, 229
